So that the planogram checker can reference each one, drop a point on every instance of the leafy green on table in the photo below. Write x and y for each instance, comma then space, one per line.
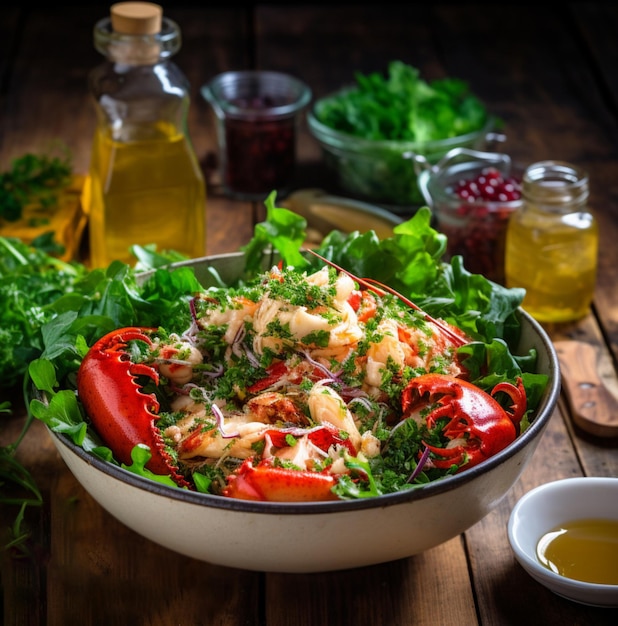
53, 308
33, 178
31, 281
18, 488
36, 288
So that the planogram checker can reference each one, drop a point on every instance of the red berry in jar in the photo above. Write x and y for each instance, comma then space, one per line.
489, 185
476, 229
260, 149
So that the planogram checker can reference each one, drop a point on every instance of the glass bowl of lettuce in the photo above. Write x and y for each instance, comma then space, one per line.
377, 135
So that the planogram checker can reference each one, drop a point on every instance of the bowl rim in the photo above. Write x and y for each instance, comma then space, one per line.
528, 560
211, 93
547, 404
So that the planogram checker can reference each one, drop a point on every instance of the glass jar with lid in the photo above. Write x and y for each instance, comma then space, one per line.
145, 185
552, 243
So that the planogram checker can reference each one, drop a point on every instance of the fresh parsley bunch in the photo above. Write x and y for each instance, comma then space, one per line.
33, 177
30, 280
37, 288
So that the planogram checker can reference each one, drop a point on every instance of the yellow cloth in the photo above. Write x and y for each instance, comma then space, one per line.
66, 219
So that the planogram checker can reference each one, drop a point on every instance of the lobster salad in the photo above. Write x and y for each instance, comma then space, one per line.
303, 381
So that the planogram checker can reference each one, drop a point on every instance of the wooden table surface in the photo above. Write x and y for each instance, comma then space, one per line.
549, 72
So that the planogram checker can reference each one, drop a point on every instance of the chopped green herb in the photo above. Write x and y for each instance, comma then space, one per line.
32, 177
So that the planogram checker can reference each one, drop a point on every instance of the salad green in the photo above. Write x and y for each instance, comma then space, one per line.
36, 287
31, 284
403, 107
410, 262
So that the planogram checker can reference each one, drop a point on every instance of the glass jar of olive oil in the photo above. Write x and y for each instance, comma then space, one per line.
145, 185
552, 243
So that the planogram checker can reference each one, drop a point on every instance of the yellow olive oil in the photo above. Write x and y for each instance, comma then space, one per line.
142, 192
552, 243
585, 550
554, 262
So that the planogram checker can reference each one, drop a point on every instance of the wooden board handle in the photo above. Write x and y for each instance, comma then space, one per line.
590, 384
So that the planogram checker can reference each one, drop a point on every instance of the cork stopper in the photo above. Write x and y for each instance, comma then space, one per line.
136, 18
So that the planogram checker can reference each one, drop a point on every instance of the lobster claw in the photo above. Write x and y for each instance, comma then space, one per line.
120, 412
475, 424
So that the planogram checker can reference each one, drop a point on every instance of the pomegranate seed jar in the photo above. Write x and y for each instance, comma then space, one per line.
552, 243
472, 195
257, 114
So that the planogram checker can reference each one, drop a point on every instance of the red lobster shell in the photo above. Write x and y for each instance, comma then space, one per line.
473, 416
120, 412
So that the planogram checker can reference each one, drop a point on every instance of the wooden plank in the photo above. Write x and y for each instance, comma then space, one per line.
42, 66
23, 570
9, 34
596, 24
546, 94
411, 591
102, 572
331, 43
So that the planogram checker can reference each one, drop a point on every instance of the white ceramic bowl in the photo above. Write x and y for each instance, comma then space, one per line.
313, 537
553, 504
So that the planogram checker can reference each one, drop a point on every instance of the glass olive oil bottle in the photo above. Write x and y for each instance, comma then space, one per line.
145, 185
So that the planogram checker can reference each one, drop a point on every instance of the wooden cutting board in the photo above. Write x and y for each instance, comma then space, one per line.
590, 385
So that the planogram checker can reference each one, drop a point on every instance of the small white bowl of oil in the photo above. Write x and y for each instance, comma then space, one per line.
565, 535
